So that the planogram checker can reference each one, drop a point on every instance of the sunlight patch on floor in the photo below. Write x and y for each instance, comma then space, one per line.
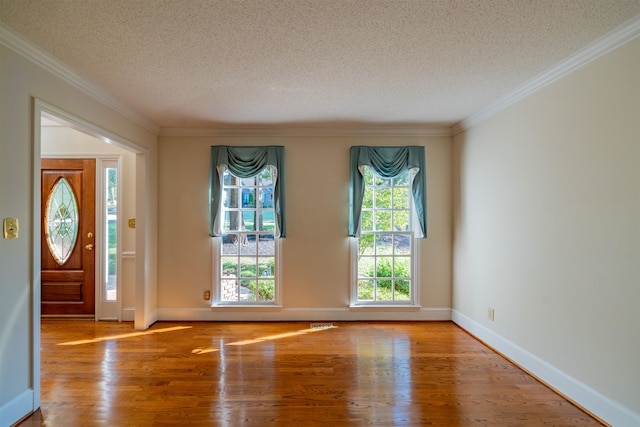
121, 336
266, 338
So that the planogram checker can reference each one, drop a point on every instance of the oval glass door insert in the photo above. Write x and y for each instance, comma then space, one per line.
61, 221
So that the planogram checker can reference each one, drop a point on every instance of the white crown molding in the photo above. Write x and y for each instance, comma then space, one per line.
320, 130
584, 396
602, 46
40, 57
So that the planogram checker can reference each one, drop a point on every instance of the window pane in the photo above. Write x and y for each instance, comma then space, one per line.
229, 179
248, 182
248, 244
266, 290
383, 198
402, 244
383, 220
231, 197
232, 221
378, 180
365, 244
249, 220
247, 267
229, 290
247, 290
229, 267
266, 267
266, 177
402, 290
401, 220
402, 267
266, 244
248, 198
367, 198
365, 289
402, 179
383, 291
383, 268
266, 198
366, 266
384, 244
229, 244
368, 176
366, 219
401, 198
266, 221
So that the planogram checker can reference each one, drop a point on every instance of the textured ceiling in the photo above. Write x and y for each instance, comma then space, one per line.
208, 63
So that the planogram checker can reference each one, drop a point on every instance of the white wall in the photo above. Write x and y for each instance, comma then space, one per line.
315, 253
20, 82
547, 228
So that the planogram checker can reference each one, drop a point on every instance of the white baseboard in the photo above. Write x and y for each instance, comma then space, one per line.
602, 407
16, 409
296, 314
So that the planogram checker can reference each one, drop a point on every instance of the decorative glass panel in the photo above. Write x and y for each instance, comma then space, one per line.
61, 221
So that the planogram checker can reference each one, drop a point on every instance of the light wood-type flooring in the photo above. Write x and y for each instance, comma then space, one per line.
285, 374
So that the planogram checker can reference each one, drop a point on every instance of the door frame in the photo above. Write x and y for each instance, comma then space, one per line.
145, 314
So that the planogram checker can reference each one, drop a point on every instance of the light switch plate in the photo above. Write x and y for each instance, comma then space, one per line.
10, 228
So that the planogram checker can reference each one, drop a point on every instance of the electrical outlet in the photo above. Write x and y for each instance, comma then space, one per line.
207, 295
490, 313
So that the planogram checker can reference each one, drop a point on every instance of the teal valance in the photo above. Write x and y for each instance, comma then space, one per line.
388, 162
245, 162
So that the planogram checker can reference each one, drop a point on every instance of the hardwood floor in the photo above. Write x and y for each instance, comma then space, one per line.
285, 374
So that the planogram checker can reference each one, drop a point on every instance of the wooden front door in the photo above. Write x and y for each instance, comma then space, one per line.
68, 237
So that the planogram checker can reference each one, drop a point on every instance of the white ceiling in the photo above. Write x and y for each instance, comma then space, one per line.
215, 63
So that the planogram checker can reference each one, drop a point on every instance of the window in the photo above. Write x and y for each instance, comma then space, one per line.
387, 213
247, 264
247, 223
111, 235
385, 253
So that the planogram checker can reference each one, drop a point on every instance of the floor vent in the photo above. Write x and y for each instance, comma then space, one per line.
321, 325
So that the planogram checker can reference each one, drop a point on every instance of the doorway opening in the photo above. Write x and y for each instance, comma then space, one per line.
142, 313
121, 282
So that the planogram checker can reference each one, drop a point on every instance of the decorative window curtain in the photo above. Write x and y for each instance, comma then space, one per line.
245, 162
388, 162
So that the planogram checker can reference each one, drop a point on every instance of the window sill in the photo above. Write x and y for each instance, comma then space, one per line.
384, 307
246, 307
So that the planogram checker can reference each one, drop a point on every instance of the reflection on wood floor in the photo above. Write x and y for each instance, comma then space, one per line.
285, 374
